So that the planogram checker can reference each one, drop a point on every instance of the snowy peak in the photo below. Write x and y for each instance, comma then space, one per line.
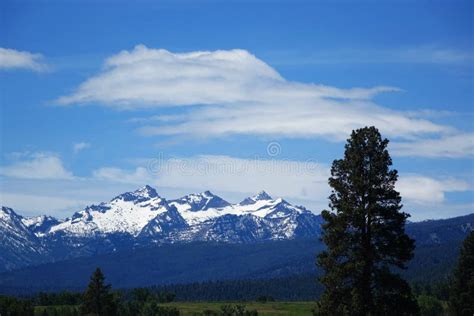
199, 202
7, 213
127, 213
16, 240
40, 225
11, 220
260, 196
144, 214
140, 195
203, 207
142, 217
147, 191
283, 209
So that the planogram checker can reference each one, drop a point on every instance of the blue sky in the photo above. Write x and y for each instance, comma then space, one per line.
101, 97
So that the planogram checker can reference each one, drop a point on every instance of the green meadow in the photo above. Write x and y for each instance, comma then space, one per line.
213, 308
267, 308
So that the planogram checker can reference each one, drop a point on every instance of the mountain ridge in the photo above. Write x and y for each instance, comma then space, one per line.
142, 217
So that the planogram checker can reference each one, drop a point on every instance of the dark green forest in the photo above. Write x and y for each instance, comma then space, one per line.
433, 297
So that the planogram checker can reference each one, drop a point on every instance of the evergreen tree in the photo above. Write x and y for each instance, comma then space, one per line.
461, 299
365, 234
97, 299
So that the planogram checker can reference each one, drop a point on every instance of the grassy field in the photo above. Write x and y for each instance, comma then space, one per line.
268, 308
200, 308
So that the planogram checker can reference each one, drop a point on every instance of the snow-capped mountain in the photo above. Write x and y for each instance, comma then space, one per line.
19, 246
142, 217
261, 196
40, 224
199, 202
127, 213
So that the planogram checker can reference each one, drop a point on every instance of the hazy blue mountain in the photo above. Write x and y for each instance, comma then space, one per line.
171, 263
434, 232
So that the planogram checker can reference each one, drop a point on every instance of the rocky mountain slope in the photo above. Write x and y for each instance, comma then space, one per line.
19, 246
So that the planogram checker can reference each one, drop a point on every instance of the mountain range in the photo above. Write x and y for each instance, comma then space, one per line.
290, 263
143, 218
140, 238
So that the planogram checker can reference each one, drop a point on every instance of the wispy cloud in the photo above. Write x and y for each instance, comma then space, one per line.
438, 55
42, 183
37, 166
31, 203
304, 180
323, 118
297, 179
77, 147
56, 197
424, 54
448, 146
14, 59
137, 176
158, 78
425, 190
234, 92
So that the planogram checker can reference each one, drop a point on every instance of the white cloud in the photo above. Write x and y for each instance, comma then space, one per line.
77, 147
330, 119
427, 54
10, 59
156, 77
37, 166
421, 212
295, 179
234, 92
138, 176
290, 179
60, 198
303, 182
35, 204
425, 190
434, 55
449, 146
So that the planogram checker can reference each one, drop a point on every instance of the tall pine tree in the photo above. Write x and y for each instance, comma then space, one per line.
461, 300
98, 300
365, 234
